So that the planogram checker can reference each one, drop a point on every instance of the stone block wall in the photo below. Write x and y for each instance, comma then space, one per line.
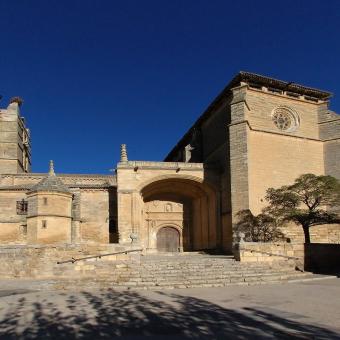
12, 225
270, 252
93, 207
314, 257
94, 216
276, 160
15, 150
172, 182
332, 157
239, 167
328, 233
49, 217
40, 261
261, 104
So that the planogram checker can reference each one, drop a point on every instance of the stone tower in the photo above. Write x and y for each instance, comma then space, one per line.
49, 215
15, 146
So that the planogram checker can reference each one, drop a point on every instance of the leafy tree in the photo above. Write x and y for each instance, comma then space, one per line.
260, 228
311, 200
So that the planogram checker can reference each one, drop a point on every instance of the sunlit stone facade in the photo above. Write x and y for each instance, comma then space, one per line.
258, 133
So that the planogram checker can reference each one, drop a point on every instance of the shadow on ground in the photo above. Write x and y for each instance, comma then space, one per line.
129, 315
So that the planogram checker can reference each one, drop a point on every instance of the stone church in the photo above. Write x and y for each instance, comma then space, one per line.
258, 133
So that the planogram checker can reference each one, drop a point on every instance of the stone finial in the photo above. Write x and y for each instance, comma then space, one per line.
123, 153
51, 171
16, 100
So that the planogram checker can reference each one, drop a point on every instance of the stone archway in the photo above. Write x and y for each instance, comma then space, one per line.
180, 202
152, 195
168, 239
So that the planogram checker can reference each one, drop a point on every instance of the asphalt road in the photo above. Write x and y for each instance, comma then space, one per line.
309, 310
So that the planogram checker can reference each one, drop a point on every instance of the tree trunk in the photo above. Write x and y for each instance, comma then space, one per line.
306, 232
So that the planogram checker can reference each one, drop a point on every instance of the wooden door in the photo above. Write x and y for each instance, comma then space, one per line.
168, 240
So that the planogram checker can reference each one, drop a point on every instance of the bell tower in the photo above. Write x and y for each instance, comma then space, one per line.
15, 145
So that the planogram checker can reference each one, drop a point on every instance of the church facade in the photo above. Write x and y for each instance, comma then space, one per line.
258, 133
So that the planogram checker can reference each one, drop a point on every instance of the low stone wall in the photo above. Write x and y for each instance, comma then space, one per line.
23, 261
322, 258
270, 252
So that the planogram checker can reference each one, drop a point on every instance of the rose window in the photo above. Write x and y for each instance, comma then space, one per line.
284, 119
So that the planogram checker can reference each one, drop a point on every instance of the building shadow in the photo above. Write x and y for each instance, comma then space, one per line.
322, 258
130, 315
113, 216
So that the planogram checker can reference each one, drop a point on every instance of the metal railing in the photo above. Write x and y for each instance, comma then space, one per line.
99, 256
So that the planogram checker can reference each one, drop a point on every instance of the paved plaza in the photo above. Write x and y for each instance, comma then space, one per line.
304, 310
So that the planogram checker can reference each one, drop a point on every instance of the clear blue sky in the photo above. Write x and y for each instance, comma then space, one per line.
95, 74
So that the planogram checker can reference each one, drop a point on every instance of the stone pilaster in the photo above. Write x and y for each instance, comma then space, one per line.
238, 134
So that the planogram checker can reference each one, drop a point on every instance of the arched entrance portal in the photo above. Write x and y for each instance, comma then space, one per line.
182, 202
168, 240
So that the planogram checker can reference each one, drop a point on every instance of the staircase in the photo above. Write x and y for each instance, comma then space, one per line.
176, 271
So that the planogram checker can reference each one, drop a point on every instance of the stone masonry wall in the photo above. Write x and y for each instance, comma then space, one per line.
94, 216
276, 160
41, 261
270, 252
262, 103
12, 225
138, 181
14, 141
91, 206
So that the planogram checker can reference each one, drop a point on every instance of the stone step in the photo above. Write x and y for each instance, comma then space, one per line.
141, 277
171, 271
179, 283
143, 271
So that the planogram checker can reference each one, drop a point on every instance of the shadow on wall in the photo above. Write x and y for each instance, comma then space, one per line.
113, 216
129, 315
322, 258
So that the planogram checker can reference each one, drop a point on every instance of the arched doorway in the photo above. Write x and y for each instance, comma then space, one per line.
190, 205
168, 240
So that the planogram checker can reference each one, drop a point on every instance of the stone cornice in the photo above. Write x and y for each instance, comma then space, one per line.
284, 95
282, 134
42, 175
71, 187
48, 215
14, 188
14, 221
126, 191
94, 188
330, 121
160, 165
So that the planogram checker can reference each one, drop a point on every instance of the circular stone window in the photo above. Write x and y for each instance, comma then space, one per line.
285, 119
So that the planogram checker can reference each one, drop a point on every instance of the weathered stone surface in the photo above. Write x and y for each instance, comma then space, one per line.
224, 164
